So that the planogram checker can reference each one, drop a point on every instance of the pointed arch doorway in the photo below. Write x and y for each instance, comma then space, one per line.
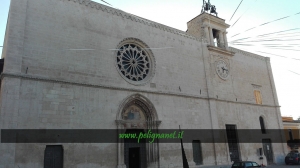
137, 115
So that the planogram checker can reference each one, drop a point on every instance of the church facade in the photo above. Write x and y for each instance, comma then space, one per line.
77, 64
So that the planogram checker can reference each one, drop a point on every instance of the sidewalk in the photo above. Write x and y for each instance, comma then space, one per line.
283, 166
269, 166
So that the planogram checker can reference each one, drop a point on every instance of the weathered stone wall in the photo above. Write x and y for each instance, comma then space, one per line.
247, 73
54, 26
47, 85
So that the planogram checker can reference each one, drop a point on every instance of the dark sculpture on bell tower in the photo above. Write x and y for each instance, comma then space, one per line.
207, 6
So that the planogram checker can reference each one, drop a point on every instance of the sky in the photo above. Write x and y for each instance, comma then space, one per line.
283, 48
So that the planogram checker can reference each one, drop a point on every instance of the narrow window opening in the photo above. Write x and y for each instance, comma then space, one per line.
291, 134
197, 152
262, 125
218, 40
216, 37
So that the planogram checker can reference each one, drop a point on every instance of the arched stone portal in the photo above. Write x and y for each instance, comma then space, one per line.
137, 114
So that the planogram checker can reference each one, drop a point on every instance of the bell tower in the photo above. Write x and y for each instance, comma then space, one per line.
209, 27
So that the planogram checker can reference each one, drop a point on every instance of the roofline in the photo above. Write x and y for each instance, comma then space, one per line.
123, 14
208, 14
246, 53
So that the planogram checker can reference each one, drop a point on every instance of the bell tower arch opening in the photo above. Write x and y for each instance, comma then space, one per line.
137, 115
211, 29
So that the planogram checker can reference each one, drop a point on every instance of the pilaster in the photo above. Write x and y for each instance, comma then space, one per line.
207, 35
221, 40
15, 36
211, 37
225, 40
120, 128
277, 108
210, 92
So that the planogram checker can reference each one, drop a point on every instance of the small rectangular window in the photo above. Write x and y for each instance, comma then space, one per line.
53, 157
257, 96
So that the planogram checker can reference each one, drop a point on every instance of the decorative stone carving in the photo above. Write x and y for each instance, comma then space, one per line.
133, 113
137, 112
135, 61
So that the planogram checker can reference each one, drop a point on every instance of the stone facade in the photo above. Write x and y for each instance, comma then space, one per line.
60, 72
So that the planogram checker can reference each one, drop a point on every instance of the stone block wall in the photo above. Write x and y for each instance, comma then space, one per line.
46, 84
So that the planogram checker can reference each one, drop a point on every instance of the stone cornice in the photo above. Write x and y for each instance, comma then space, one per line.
208, 15
38, 78
218, 21
292, 122
210, 21
156, 122
107, 9
248, 54
256, 86
220, 50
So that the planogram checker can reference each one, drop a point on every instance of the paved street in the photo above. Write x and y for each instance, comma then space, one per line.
270, 166
283, 166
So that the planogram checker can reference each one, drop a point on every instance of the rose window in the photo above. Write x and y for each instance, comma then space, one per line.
133, 62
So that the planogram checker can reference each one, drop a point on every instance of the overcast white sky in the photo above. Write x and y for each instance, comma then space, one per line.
176, 13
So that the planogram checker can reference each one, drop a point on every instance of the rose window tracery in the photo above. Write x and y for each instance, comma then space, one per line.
134, 61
